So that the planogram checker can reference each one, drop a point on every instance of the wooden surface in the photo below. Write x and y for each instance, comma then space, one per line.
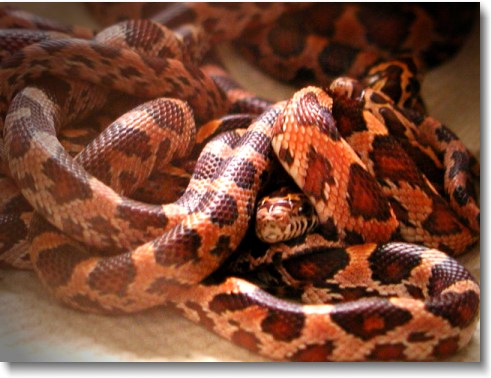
34, 327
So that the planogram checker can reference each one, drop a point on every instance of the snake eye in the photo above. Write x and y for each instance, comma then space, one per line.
305, 209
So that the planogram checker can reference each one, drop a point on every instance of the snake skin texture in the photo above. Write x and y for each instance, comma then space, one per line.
133, 167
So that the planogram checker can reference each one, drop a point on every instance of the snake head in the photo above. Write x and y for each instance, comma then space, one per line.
283, 216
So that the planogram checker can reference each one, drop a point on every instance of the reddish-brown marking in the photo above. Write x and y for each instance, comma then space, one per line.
222, 247
336, 58
204, 319
163, 285
349, 116
396, 127
141, 217
416, 337
66, 188
459, 309
308, 269
373, 323
135, 143
401, 213
388, 352
229, 302
180, 251
314, 352
113, 276
380, 317
246, 339
365, 195
391, 162
320, 174
393, 26
28, 182
414, 291
286, 43
353, 293
394, 270
392, 263
442, 220
18, 147
283, 326
57, 264
446, 347
317, 265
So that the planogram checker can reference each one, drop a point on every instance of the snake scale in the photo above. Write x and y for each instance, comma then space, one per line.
132, 165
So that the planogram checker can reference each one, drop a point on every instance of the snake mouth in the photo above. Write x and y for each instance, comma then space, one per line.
273, 230
270, 230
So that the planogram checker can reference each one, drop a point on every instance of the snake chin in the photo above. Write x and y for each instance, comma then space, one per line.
279, 226
270, 231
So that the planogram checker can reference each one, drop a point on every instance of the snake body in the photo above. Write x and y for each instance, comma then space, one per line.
354, 149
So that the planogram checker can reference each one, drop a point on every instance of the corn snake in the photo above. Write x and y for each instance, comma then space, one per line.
235, 337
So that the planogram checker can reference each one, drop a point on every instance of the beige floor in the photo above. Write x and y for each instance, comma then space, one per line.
34, 327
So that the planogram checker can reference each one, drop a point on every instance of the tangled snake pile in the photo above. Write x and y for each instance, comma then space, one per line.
158, 206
